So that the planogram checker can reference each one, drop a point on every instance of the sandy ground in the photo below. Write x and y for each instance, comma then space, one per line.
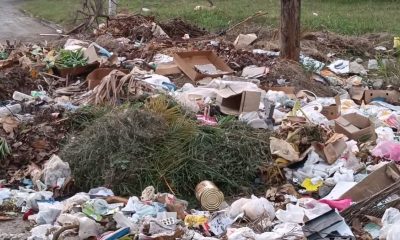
14, 25
14, 229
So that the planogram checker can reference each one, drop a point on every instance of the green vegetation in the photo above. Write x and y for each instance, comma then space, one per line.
351, 17
70, 59
158, 144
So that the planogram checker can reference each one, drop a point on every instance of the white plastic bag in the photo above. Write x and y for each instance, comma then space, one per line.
88, 228
244, 233
257, 207
48, 212
292, 214
236, 207
391, 223
56, 171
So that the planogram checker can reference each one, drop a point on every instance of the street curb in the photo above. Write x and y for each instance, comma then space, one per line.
45, 22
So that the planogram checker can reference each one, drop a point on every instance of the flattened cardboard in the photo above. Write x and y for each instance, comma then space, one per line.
332, 149
234, 104
166, 69
333, 111
390, 96
94, 78
355, 126
186, 61
373, 183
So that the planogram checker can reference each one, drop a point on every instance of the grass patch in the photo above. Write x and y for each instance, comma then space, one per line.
351, 17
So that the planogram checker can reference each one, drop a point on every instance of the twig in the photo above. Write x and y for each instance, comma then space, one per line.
258, 14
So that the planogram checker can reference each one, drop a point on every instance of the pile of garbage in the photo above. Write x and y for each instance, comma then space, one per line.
157, 139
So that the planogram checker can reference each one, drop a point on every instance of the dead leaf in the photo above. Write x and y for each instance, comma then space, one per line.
9, 124
40, 144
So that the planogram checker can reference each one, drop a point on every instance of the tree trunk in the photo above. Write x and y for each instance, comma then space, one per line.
290, 29
112, 7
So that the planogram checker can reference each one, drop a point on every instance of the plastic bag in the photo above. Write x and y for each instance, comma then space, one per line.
41, 232
244, 233
48, 212
5, 193
56, 171
292, 214
257, 207
391, 222
88, 228
387, 149
384, 134
237, 207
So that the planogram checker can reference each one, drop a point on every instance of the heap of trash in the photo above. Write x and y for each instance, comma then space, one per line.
163, 131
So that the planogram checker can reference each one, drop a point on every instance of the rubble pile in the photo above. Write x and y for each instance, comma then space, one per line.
159, 131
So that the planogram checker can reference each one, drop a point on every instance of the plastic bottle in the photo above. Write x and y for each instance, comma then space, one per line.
19, 96
10, 109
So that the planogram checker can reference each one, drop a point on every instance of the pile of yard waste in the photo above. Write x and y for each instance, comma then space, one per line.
149, 130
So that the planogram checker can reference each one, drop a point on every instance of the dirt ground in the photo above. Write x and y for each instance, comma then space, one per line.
17, 26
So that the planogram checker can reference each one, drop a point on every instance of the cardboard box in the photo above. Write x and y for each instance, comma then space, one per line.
333, 111
332, 149
186, 61
166, 69
232, 103
359, 94
355, 127
373, 183
389, 96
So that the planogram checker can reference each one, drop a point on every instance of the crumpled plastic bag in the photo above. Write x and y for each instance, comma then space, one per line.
384, 134
141, 209
5, 193
391, 222
88, 228
43, 232
48, 212
387, 149
258, 207
55, 172
244, 233
101, 191
96, 208
33, 198
236, 207
292, 214
77, 199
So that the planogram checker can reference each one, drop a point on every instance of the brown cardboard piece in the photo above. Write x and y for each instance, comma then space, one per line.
76, 71
167, 69
186, 61
355, 126
358, 94
232, 103
373, 183
94, 78
331, 150
390, 96
333, 111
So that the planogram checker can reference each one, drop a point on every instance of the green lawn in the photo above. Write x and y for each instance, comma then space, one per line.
352, 17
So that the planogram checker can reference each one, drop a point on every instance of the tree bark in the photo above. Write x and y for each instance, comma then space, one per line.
290, 29
112, 7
